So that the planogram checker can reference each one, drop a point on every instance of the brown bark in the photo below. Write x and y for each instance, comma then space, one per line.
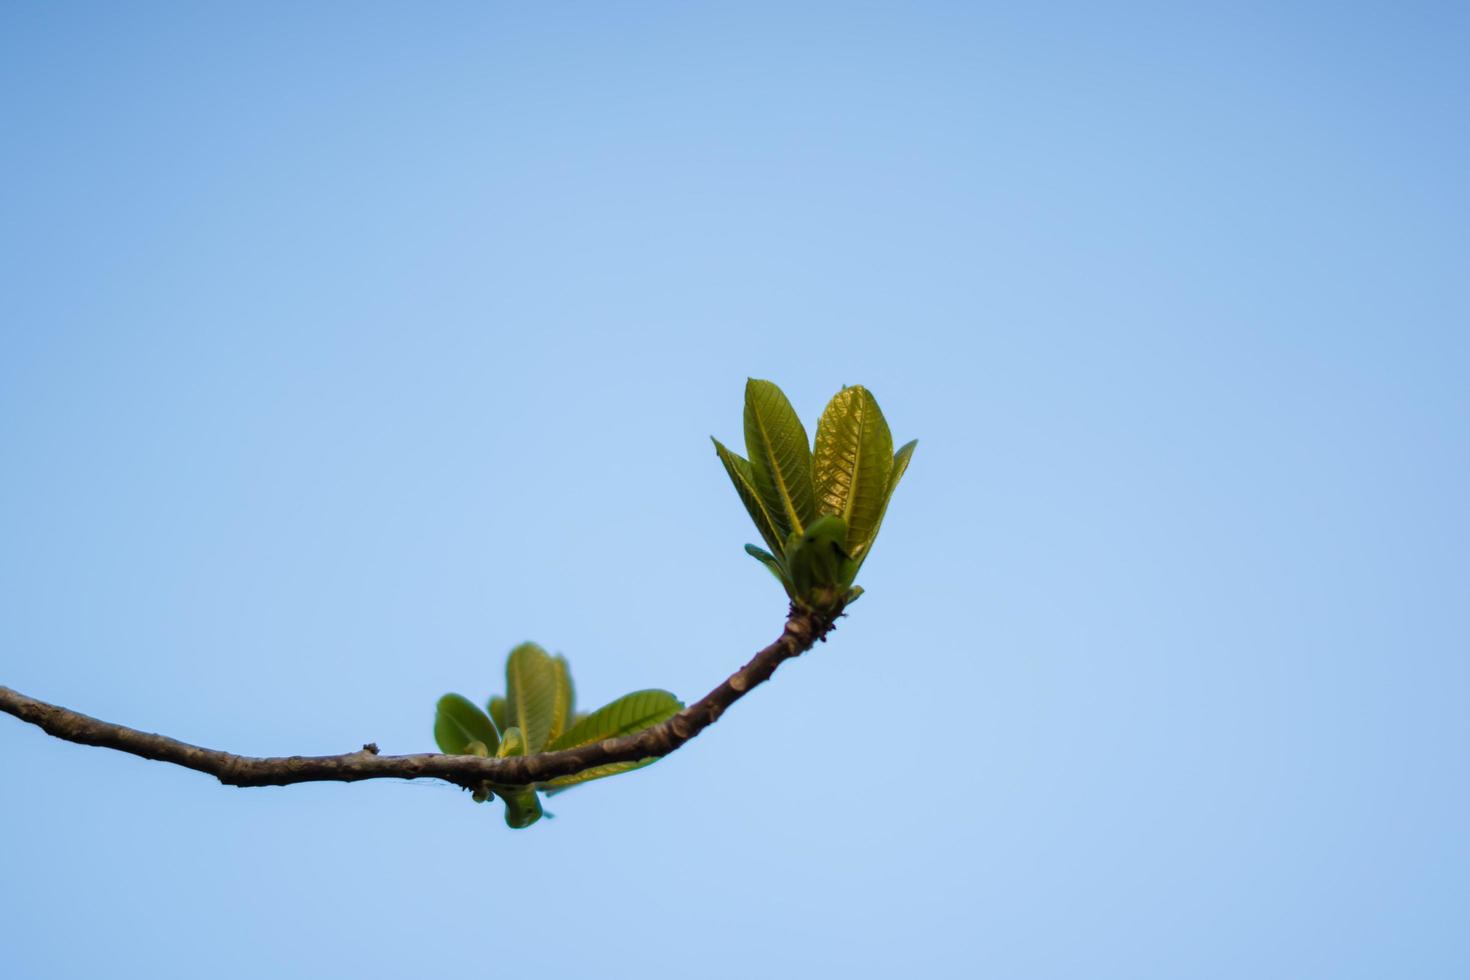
803, 629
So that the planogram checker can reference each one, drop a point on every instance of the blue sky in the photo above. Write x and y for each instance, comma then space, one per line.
345, 346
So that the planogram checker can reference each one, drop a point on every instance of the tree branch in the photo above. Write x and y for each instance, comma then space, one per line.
803, 629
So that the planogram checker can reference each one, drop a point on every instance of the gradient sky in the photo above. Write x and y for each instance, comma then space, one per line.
344, 346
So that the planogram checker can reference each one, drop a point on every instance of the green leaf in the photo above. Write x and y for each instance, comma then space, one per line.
531, 694
561, 783
458, 722
562, 710
522, 808
851, 463
499, 713
771, 562
628, 714
900, 464
818, 563
738, 467
780, 457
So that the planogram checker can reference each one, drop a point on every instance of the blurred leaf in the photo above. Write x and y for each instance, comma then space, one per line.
458, 722
851, 463
628, 714
780, 457
531, 692
561, 783
738, 467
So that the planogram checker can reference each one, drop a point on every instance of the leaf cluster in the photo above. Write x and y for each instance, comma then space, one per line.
538, 714
817, 508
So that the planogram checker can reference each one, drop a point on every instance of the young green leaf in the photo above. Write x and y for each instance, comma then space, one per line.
852, 461
771, 562
900, 464
499, 713
531, 693
738, 468
628, 714
780, 457
458, 722
512, 742
522, 808
818, 562
562, 710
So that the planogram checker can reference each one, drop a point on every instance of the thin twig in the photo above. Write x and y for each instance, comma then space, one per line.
803, 629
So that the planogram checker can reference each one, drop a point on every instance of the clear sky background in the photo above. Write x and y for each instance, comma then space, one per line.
344, 346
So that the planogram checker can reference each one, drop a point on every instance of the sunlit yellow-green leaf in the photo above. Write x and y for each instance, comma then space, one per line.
851, 463
780, 457
458, 722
